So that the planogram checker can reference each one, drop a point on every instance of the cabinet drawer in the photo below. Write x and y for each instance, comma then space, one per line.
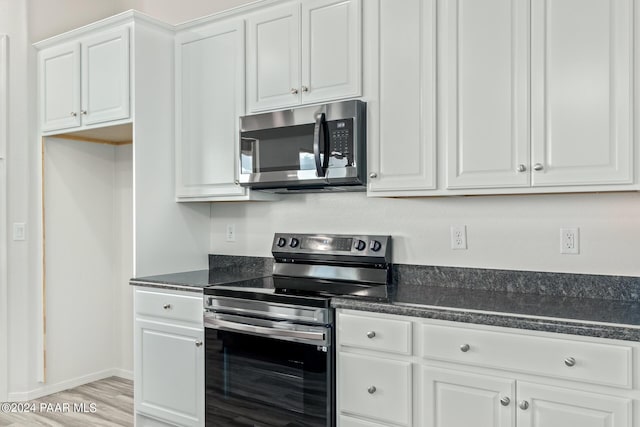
589, 362
185, 308
374, 333
354, 422
375, 388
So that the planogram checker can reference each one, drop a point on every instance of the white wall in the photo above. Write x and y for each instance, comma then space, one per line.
84, 185
123, 228
503, 232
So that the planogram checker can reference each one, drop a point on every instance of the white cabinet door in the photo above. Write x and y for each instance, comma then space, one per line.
169, 366
209, 101
581, 91
485, 121
105, 77
459, 399
375, 388
331, 46
273, 58
59, 69
555, 407
401, 148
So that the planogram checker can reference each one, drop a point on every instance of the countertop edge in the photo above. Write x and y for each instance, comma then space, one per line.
513, 321
167, 286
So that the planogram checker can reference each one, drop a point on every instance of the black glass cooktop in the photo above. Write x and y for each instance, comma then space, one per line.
293, 290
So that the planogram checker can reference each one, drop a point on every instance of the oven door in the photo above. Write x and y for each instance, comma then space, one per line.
267, 373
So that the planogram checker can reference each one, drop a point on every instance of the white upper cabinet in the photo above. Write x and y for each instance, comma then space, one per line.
105, 77
60, 87
573, 57
85, 83
209, 101
582, 73
485, 85
303, 53
273, 58
401, 129
331, 40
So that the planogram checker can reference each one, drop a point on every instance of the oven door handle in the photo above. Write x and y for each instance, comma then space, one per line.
320, 137
264, 331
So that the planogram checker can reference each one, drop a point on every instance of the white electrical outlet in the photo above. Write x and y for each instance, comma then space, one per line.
570, 240
231, 232
458, 237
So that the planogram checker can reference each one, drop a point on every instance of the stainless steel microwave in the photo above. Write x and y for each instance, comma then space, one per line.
317, 148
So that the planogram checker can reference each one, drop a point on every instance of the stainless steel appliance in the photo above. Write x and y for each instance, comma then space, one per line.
269, 342
321, 147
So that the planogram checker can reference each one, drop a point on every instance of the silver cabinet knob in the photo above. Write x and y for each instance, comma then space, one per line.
83, 112
505, 401
570, 361
198, 343
167, 306
294, 91
305, 88
236, 182
464, 348
521, 168
74, 114
538, 167
372, 389
373, 175
524, 405
371, 334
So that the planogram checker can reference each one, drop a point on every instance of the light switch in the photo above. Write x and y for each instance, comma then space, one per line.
19, 231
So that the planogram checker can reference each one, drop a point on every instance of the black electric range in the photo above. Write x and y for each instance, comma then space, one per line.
270, 356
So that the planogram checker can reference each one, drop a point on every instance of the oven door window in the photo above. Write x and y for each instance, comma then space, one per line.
258, 381
279, 149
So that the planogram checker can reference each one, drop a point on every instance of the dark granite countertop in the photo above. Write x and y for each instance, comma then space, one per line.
195, 281
603, 318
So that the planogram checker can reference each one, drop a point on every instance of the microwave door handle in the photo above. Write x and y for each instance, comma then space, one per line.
319, 136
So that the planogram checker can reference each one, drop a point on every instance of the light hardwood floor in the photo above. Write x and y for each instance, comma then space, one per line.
113, 399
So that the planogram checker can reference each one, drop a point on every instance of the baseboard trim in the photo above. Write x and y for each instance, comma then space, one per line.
47, 389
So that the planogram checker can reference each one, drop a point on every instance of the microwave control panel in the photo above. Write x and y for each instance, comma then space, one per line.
341, 142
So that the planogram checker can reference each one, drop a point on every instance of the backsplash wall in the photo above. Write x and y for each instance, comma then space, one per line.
503, 232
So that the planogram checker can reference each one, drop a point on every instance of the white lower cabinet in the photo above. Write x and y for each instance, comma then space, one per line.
486, 400
168, 358
460, 375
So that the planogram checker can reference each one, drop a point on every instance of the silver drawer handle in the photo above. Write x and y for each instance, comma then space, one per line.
505, 401
538, 167
74, 114
371, 334
372, 389
167, 306
464, 348
373, 175
524, 405
570, 361
294, 91
198, 343
522, 168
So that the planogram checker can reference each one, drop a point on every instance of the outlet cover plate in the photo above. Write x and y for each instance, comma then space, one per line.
570, 240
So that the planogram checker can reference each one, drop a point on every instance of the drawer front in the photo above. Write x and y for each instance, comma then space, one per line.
589, 362
354, 422
186, 308
374, 333
378, 389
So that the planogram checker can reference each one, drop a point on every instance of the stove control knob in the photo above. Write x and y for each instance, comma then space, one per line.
360, 245
375, 245
294, 242
281, 242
